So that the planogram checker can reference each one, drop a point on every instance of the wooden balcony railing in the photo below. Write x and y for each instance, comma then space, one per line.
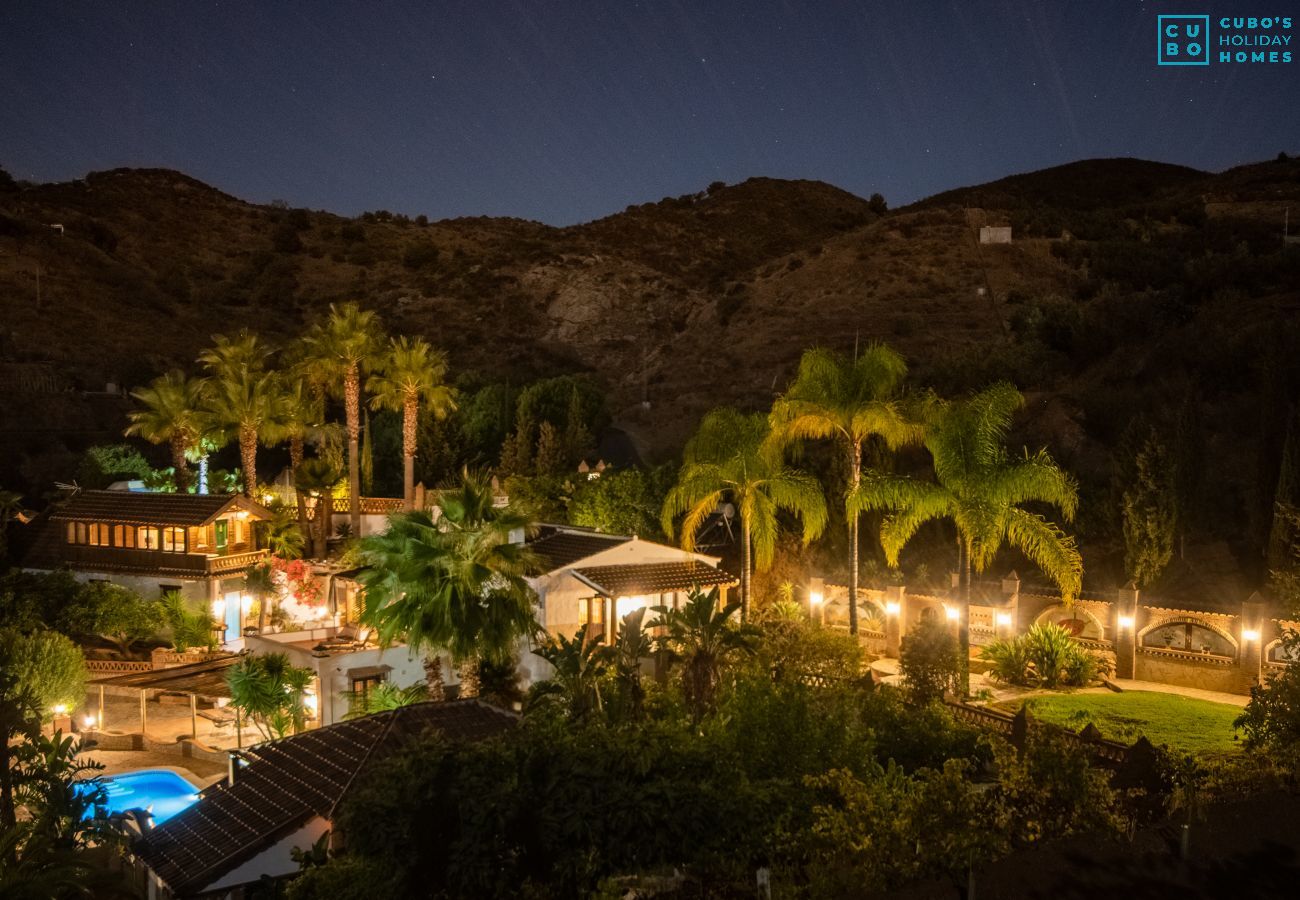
192, 565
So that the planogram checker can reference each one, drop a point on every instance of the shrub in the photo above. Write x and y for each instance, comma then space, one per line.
188, 627
930, 660
1047, 655
1271, 720
47, 664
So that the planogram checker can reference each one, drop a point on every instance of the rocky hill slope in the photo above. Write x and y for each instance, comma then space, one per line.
1130, 287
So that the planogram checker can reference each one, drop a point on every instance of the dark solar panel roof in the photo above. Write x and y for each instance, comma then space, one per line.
560, 547
288, 782
151, 508
652, 578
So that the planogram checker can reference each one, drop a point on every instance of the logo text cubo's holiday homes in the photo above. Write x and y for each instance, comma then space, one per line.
1196, 40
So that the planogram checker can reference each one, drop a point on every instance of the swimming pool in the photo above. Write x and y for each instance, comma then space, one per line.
162, 792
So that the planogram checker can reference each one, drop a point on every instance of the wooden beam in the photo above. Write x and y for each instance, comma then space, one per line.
194, 717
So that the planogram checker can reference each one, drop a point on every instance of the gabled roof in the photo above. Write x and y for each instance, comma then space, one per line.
561, 546
132, 508
288, 782
652, 578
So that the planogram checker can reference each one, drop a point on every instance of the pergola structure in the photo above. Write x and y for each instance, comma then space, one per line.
206, 679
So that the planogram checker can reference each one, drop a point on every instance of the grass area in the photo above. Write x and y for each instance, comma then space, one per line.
1193, 726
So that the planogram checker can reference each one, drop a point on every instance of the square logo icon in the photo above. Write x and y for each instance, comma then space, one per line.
1184, 41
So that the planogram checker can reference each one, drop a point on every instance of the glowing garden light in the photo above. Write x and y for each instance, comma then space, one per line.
952, 612
892, 608
1125, 623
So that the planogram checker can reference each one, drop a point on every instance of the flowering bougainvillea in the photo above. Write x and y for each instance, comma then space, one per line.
297, 580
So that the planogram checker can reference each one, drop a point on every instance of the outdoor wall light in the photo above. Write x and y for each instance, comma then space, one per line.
1004, 619
88, 722
1125, 622
952, 613
1249, 634
219, 610
815, 597
892, 608
59, 709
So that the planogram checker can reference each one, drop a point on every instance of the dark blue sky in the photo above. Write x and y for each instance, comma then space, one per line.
566, 110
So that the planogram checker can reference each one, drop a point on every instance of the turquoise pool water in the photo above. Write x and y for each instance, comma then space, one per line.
162, 792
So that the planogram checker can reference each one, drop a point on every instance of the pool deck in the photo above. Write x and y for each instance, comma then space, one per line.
119, 762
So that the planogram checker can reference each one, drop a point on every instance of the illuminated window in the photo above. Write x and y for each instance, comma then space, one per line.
591, 611
148, 538
124, 536
173, 539
98, 535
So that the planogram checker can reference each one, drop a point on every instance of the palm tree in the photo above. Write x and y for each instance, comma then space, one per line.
701, 636
848, 401
457, 583
345, 344
581, 664
171, 413
981, 488
730, 456
316, 478
412, 372
250, 405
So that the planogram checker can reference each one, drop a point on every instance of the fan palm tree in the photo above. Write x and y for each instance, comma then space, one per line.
848, 401
410, 374
316, 478
703, 639
171, 412
345, 344
730, 457
980, 487
457, 583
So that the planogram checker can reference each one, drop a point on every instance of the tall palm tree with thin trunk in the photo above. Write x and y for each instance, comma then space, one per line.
171, 412
456, 583
346, 343
249, 405
850, 401
412, 373
981, 488
731, 457
243, 399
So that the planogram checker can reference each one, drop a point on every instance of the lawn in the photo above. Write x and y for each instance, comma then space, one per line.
1193, 726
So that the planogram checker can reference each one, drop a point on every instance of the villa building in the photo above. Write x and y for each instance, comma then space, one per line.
591, 580
199, 545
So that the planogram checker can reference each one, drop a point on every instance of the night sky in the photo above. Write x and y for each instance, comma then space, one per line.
566, 110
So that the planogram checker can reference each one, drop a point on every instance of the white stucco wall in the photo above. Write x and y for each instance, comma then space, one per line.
275, 860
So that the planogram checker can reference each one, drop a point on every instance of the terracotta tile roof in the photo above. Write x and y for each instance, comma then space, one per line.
652, 578
151, 508
287, 783
559, 547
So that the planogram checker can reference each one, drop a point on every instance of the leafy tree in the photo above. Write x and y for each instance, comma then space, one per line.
1150, 513
345, 346
730, 457
1271, 720
849, 401
271, 693
101, 465
413, 376
31, 600
930, 660
703, 641
981, 488
171, 412
456, 583
877, 204
111, 611
622, 501
551, 458
46, 667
